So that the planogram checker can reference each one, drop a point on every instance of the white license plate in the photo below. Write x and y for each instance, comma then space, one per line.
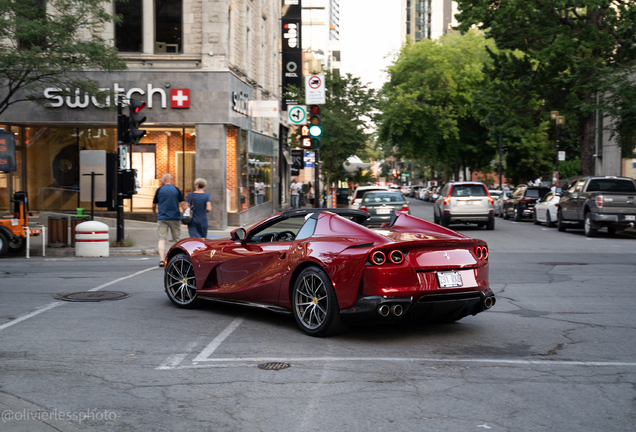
449, 279
383, 211
466, 203
630, 217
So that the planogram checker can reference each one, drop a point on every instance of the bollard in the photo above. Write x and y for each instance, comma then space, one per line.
91, 239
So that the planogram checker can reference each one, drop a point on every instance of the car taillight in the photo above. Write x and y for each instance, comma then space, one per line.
363, 208
525, 200
396, 257
405, 208
378, 258
556, 205
491, 200
447, 200
599, 201
481, 252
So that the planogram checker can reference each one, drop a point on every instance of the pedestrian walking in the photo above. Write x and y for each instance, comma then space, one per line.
294, 192
538, 181
201, 206
165, 206
311, 194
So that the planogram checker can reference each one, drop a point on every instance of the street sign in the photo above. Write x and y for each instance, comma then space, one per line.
297, 114
561, 155
123, 157
315, 89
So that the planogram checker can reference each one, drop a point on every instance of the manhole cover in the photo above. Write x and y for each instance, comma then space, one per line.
273, 366
94, 296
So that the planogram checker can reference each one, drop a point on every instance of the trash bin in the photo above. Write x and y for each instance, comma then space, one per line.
77, 219
58, 231
91, 239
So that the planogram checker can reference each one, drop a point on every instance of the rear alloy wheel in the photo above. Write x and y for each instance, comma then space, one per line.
590, 231
17, 245
560, 223
548, 220
534, 217
180, 283
517, 215
4, 243
315, 305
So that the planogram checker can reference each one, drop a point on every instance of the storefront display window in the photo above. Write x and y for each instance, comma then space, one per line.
161, 151
52, 156
11, 182
232, 170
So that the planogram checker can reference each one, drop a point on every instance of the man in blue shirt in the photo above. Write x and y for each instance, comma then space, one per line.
167, 201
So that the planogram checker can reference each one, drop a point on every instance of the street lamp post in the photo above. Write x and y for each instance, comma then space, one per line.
558, 122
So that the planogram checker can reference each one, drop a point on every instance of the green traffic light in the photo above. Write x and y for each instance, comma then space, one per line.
315, 131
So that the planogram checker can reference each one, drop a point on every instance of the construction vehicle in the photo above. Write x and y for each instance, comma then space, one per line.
13, 231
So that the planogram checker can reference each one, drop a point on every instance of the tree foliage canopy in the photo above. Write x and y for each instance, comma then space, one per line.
45, 43
572, 52
427, 104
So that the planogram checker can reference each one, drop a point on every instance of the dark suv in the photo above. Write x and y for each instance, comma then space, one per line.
521, 202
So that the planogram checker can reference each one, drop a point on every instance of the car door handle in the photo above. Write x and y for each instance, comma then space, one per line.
282, 256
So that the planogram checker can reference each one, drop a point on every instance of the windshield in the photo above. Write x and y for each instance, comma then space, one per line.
469, 190
388, 197
611, 185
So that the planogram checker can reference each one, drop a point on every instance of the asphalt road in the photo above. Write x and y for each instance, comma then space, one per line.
556, 353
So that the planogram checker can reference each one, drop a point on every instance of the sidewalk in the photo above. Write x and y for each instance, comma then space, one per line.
144, 235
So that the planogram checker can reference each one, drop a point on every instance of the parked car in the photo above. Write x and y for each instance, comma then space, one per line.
500, 201
545, 210
464, 202
522, 200
379, 205
598, 202
327, 270
356, 196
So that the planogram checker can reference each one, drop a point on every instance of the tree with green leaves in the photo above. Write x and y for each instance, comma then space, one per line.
573, 53
427, 105
46, 42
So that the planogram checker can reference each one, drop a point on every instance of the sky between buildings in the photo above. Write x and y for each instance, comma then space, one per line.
369, 38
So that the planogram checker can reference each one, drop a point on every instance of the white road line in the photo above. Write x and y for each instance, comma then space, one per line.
60, 303
207, 352
173, 361
217, 361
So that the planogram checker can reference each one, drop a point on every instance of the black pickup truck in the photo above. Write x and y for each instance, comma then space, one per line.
597, 202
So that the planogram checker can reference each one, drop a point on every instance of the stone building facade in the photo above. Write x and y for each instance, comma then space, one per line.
199, 66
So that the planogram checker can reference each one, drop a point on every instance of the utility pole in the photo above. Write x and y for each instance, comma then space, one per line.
122, 153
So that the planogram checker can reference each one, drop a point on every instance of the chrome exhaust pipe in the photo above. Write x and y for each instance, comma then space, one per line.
384, 310
493, 300
397, 310
488, 302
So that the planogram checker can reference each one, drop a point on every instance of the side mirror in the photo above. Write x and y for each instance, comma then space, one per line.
238, 234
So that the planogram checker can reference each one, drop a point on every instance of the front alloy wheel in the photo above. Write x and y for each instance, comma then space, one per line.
180, 283
314, 304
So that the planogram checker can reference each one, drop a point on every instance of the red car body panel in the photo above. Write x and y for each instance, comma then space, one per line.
264, 272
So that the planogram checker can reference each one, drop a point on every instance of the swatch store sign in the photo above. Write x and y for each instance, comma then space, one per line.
174, 97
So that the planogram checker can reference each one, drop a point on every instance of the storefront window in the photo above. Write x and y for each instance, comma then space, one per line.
52, 156
232, 171
11, 182
260, 179
161, 151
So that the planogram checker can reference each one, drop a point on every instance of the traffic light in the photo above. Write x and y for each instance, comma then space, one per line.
315, 126
134, 121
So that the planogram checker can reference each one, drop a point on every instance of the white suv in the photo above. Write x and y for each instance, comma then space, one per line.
465, 202
356, 197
